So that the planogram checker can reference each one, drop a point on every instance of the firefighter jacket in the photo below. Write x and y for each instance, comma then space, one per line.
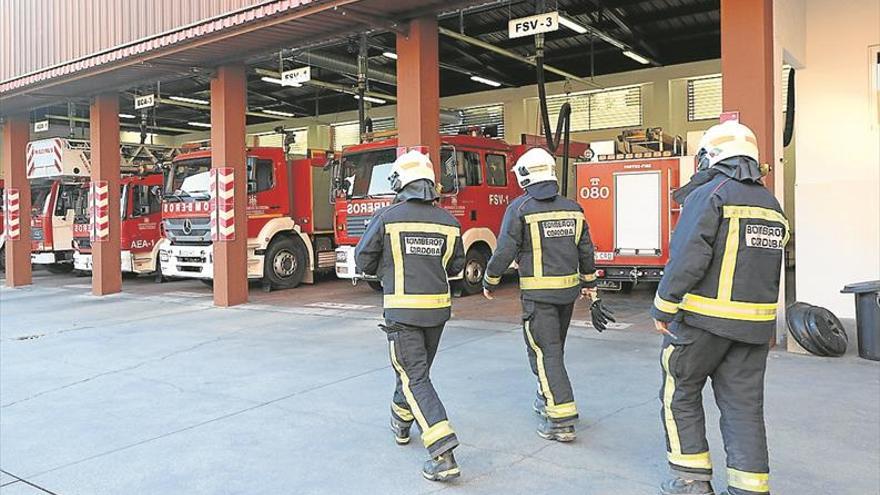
725, 257
412, 246
548, 237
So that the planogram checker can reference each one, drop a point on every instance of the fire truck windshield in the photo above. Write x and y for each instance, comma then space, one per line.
183, 169
358, 170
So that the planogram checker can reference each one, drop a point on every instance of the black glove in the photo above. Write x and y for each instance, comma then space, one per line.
600, 315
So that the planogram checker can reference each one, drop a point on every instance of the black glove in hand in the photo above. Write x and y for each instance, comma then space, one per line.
600, 315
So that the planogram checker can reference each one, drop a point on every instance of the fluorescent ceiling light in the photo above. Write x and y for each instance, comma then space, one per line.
483, 80
189, 100
199, 124
279, 113
275, 80
391, 55
635, 56
127, 116
371, 99
574, 26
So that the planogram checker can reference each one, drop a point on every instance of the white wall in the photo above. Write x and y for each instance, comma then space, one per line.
837, 144
663, 96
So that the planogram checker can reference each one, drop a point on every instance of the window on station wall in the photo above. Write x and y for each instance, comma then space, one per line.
299, 147
704, 98
595, 110
346, 133
480, 116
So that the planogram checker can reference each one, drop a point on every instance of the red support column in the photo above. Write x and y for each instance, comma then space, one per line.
228, 107
18, 251
418, 87
104, 136
747, 67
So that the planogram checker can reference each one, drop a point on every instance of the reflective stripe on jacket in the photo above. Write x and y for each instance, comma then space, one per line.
550, 241
413, 246
725, 259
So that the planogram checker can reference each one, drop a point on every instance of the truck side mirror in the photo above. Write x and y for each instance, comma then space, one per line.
156, 191
449, 176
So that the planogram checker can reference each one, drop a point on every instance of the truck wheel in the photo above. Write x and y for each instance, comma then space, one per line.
60, 268
375, 285
3, 259
474, 268
207, 281
285, 263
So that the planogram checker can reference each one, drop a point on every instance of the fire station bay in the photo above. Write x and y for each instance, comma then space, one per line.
403, 246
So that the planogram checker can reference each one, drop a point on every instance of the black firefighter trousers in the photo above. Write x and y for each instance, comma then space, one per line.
545, 327
412, 350
737, 373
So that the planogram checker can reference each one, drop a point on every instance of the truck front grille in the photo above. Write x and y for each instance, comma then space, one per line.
199, 231
356, 225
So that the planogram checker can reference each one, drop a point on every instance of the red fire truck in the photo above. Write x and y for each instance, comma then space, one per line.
628, 204
289, 218
57, 169
141, 217
476, 187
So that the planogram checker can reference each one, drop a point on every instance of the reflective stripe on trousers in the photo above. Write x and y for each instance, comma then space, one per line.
411, 350
737, 373
545, 327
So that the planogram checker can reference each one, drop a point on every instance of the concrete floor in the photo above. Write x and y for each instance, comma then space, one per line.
155, 391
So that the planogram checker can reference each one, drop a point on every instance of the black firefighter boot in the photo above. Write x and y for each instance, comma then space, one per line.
680, 486
401, 430
441, 468
549, 430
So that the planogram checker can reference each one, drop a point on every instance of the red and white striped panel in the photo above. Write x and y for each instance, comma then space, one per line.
45, 154
222, 204
99, 211
12, 214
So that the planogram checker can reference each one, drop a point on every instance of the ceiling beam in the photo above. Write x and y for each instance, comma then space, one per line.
500, 51
634, 35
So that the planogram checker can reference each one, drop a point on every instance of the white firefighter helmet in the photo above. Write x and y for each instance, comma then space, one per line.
535, 165
410, 167
729, 139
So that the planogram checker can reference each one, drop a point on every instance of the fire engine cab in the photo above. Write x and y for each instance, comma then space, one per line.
476, 187
289, 219
628, 203
141, 217
57, 169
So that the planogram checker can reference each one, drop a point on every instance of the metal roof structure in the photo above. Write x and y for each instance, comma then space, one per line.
665, 32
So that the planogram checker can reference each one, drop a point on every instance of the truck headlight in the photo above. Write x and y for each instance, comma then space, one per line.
163, 255
341, 256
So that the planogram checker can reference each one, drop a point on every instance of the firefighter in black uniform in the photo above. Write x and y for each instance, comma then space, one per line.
548, 237
716, 306
413, 245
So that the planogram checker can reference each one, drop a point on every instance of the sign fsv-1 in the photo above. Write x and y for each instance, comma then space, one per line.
296, 76
534, 24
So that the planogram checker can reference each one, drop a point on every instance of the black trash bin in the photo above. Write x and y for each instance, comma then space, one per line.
867, 317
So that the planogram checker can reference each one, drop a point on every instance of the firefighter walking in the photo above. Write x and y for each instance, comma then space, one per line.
413, 245
716, 306
547, 235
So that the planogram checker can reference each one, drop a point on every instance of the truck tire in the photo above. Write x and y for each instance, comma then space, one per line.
474, 268
3, 259
57, 268
285, 263
375, 285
